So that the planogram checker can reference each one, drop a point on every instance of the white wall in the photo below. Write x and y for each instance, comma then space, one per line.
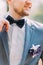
3, 8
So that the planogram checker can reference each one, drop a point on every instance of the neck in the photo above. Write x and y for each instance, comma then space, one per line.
15, 15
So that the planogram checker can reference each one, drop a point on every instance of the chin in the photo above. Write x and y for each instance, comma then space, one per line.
26, 13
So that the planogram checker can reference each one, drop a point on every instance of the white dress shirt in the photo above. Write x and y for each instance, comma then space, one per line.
17, 45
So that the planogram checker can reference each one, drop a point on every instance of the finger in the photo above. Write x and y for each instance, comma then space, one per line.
6, 24
1, 25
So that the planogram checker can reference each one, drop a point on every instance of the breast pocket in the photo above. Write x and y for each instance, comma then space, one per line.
33, 52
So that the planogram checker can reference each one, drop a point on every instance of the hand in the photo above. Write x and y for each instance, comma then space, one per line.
4, 22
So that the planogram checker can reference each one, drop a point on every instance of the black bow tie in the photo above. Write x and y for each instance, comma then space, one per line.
19, 23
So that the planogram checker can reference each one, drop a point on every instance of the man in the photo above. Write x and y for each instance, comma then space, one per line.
21, 39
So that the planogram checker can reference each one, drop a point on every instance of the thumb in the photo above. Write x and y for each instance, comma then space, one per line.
6, 24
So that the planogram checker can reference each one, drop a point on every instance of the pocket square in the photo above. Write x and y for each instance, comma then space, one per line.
35, 50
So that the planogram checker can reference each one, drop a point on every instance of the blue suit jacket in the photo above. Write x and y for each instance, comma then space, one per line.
33, 43
33, 36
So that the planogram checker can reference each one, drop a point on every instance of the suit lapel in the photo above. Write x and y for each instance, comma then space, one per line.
27, 43
6, 38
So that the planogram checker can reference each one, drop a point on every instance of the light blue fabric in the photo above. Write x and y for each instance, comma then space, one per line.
33, 36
